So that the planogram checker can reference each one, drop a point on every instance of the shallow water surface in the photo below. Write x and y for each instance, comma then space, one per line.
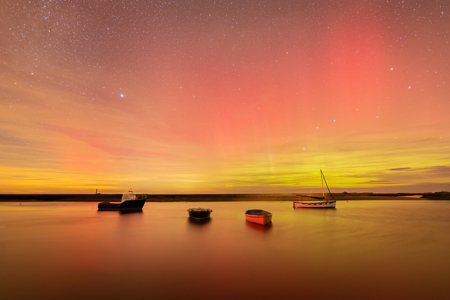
361, 250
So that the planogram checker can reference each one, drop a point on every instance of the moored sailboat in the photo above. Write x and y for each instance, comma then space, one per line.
316, 202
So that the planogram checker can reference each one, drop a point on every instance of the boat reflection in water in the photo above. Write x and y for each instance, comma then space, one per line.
257, 227
132, 211
195, 221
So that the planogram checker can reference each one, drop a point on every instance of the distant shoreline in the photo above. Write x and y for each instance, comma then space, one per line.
217, 197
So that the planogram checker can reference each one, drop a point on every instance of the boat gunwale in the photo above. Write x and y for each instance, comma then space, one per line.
307, 201
260, 212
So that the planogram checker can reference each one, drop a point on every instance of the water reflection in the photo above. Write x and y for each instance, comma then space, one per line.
127, 212
311, 212
120, 212
257, 227
364, 250
319, 210
194, 221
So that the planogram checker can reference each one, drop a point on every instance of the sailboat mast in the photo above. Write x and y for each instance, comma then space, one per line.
321, 178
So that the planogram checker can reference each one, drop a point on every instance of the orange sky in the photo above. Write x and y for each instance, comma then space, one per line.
224, 97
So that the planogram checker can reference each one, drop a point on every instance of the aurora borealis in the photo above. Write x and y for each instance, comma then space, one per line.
224, 96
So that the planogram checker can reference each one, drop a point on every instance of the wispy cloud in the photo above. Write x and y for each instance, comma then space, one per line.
399, 169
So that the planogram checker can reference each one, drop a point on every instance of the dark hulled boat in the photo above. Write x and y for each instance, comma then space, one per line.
130, 202
199, 213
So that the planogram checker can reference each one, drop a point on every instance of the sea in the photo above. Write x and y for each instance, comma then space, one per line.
360, 250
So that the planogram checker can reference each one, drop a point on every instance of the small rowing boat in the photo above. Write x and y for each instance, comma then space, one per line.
258, 216
199, 212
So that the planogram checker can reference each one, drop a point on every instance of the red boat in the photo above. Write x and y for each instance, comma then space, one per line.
258, 216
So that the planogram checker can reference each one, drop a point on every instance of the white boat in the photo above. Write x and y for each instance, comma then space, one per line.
309, 204
316, 202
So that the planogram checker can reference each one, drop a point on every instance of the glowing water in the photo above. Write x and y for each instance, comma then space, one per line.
361, 250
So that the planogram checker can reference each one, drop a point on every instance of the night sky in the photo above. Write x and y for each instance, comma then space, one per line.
224, 96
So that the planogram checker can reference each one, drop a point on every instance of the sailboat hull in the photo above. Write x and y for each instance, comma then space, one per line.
330, 204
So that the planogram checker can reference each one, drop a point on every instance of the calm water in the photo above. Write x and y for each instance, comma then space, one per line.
361, 250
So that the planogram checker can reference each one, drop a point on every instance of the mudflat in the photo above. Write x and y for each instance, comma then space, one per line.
199, 197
